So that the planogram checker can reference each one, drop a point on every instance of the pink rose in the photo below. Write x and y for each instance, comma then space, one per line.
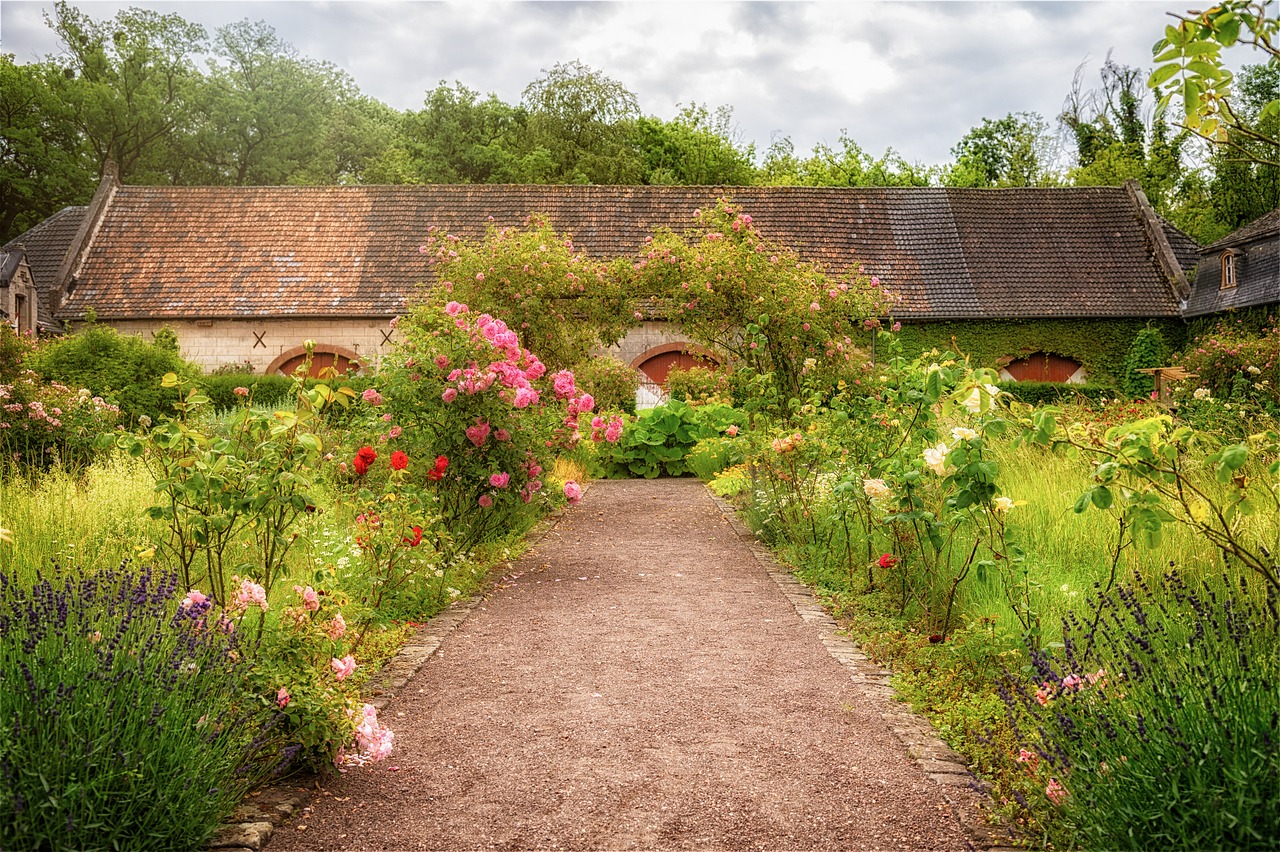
282, 698
343, 668
486, 501
310, 600
371, 396
251, 594
449, 395
572, 492
525, 397
478, 433
500, 480
337, 627
241, 391
194, 598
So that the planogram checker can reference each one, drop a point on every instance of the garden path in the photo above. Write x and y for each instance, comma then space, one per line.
638, 681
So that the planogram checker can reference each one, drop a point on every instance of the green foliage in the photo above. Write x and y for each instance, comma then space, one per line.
1010, 151
611, 382
658, 441
1235, 362
263, 390
582, 118
1101, 346
124, 369
126, 719
1154, 724
563, 302
695, 148
1054, 393
1148, 350
458, 138
755, 304
699, 384
216, 491
14, 349
165, 339
848, 165
1190, 66
711, 456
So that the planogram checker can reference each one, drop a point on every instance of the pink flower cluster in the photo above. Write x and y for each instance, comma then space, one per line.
249, 594
310, 599
373, 741
609, 431
343, 668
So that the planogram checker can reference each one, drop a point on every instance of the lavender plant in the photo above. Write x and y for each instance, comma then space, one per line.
1157, 725
124, 721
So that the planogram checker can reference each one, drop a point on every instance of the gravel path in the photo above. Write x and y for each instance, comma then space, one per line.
639, 682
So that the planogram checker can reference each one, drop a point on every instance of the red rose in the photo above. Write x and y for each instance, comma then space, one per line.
399, 460
437, 473
888, 561
365, 456
417, 537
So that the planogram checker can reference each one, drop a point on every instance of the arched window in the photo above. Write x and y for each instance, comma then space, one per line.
1228, 270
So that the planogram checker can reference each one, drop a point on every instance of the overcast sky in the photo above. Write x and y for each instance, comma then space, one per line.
914, 76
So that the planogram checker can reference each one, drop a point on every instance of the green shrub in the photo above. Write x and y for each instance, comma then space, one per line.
611, 382
126, 723
659, 440
1054, 393
1148, 351
14, 349
264, 390
699, 384
1232, 361
712, 455
123, 369
45, 425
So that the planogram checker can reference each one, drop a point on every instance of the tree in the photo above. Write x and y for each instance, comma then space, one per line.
129, 85
696, 148
1246, 176
44, 163
846, 165
1117, 141
1009, 151
583, 119
1190, 66
459, 138
265, 111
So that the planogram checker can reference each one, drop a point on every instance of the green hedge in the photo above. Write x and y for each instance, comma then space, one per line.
1037, 393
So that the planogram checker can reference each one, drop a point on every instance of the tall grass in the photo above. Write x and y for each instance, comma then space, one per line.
94, 519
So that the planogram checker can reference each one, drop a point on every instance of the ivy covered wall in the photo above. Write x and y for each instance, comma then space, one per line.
1100, 345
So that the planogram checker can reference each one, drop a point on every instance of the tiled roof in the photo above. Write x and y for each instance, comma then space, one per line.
1185, 249
45, 245
353, 251
1257, 250
1267, 224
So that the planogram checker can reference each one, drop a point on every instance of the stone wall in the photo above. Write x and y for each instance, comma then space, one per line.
213, 343
648, 336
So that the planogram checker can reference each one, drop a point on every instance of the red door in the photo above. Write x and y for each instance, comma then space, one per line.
318, 362
659, 367
1043, 367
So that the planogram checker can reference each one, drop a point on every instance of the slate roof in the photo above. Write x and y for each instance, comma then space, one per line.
45, 245
1257, 270
353, 251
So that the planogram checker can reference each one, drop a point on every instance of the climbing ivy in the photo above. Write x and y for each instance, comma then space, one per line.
1100, 345
1148, 351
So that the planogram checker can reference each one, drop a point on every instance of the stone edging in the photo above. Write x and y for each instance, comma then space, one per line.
940, 762
258, 817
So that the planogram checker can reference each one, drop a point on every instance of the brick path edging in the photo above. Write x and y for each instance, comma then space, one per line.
940, 762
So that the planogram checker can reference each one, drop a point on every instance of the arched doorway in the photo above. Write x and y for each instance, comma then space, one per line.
340, 358
656, 364
1044, 367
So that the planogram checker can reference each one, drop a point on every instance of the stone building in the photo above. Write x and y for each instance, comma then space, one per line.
244, 274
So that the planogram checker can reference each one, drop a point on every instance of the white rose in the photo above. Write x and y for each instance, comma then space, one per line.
936, 459
875, 488
1002, 505
962, 434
